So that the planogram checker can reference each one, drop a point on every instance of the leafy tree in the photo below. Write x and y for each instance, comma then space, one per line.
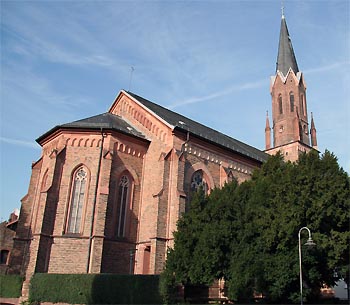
248, 233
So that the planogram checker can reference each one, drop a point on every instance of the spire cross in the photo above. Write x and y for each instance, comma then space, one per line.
282, 9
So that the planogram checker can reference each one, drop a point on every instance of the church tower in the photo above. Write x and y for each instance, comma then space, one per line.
290, 127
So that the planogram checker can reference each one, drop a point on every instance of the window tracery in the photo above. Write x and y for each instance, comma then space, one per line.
77, 201
123, 203
198, 181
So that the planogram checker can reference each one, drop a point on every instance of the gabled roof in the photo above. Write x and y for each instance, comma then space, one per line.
106, 121
187, 125
109, 121
286, 57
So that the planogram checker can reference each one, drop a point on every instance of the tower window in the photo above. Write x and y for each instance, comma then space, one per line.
305, 129
280, 104
77, 201
291, 100
302, 104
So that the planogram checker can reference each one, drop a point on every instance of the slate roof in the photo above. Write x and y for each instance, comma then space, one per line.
105, 121
286, 57
109, 121
187, 125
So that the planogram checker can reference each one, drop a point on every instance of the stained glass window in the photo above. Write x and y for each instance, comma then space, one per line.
230, 177
77, 201
123, 203
198, 181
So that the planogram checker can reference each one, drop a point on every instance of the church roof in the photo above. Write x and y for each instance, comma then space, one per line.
185, 124
102, 121
109, 121
286, 57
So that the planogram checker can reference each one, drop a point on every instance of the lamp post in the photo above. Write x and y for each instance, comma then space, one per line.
309, 242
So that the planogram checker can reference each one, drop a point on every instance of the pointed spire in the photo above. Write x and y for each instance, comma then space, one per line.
267, 126
267, 132
313, 133
286, 57
312, 121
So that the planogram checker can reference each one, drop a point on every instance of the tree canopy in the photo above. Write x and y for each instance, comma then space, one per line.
248, 233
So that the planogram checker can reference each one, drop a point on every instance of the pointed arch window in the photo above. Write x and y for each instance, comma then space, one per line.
77, 201
230, 177
123, 203
198, 181
291, 100
302, 104
280, 104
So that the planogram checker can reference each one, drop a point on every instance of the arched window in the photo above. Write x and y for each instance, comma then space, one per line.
77, 201
280, 104
302, 104
230, 177
198, 181
291, 100
123, 204
305, 129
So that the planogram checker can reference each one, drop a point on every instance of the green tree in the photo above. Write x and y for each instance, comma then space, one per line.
248, 233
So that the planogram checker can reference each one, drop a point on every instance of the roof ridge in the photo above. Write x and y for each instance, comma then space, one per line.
208, 133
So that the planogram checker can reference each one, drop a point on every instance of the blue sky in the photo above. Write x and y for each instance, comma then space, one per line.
208, 60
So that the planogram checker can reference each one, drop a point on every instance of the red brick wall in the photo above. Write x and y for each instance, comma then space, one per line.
6, 244
289, 133
68, 255
161, 170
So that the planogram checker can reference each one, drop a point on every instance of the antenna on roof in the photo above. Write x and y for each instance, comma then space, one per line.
131, 72
282, 8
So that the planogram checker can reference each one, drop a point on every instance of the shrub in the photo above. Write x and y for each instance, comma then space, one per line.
10, 286
95, 289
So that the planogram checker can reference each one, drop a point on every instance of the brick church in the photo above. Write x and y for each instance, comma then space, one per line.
107, 191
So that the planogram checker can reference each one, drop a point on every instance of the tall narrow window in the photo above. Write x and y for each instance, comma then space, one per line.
291, 99
280, 105
123, 203
302, 104
198, 181
77, 201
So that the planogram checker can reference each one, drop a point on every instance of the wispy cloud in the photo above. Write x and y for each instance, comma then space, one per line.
67, 43
215, 95
325, 68
19, 142
17, 78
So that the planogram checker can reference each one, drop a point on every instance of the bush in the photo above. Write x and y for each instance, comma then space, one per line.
10, 286
167, 288
95, 289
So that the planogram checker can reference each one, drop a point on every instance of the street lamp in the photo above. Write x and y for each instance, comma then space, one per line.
309, 243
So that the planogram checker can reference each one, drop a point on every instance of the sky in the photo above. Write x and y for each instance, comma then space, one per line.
211, 61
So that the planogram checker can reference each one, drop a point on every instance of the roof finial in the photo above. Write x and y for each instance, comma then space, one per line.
282, 8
